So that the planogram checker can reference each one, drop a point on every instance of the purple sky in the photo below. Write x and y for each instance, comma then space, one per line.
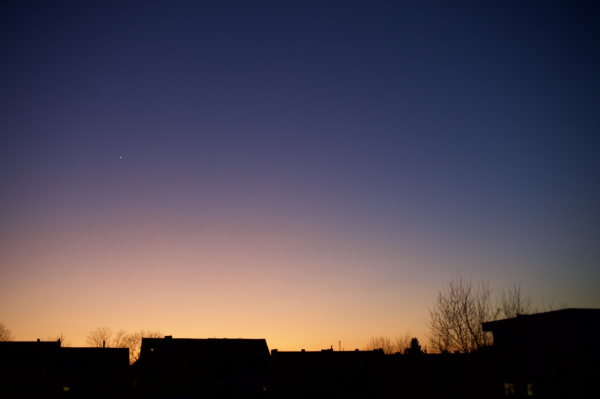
304, 172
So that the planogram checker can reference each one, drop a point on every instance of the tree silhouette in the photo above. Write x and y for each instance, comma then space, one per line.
119, 339
133, 341
103, 336
461, 308
456, 317
513, 303
388, 346
381, 342
414, 348
100, 337
402, 343
5, 333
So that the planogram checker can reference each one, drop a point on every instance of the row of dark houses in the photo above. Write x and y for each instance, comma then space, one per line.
547, 355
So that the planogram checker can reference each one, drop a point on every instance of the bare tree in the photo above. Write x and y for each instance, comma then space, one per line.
513, 303
402, 343
456, 317
5, 333
398, 345
103, 336
100, 337
381, 342
133, 341
462, 306
550, 306
119, 339
151, 334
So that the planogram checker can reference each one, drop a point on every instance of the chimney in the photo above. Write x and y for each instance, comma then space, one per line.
38, 340
104, 344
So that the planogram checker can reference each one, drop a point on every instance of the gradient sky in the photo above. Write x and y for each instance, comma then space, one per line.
305, 172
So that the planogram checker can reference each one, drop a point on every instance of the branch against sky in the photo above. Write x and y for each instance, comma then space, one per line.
119, 339
103, 336
5, 333
456, 316
380, 342
398, 345
99, 337
133, 341
462, 306
403, 342
512, 303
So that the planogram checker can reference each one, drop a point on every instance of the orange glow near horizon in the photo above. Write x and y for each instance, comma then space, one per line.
262, 290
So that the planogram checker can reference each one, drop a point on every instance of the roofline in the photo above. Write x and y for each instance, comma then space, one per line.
486, 325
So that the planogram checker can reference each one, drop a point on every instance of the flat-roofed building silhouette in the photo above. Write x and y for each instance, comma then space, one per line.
373, 374
95, 372
29, 369
548, 355
47, 370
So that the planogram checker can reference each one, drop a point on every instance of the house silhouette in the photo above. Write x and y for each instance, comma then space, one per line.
548, 355
182, 367
47, 370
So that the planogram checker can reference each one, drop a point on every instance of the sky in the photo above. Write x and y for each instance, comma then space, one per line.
307, 172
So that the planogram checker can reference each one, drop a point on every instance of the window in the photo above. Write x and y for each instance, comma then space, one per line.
65, 389
509, 389
529, 389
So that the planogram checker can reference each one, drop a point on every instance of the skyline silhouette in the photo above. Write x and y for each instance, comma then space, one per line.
547, 355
